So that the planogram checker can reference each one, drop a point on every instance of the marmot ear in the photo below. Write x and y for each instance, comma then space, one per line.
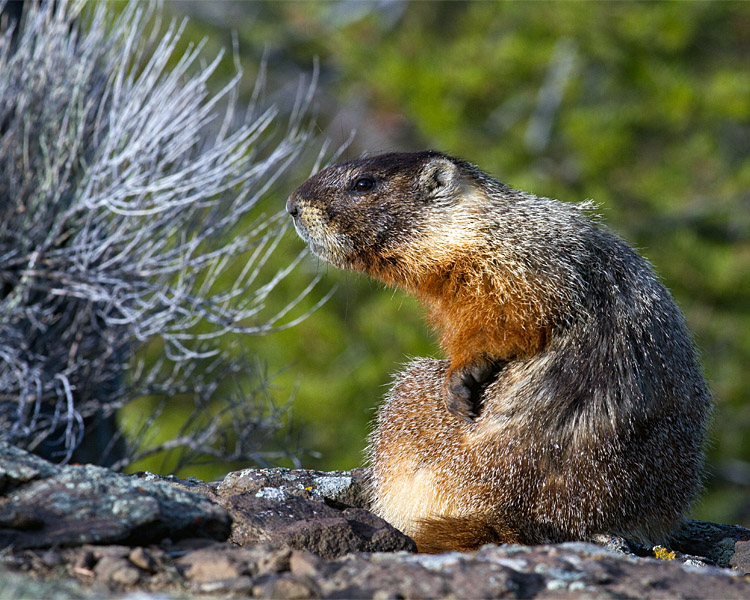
438, 176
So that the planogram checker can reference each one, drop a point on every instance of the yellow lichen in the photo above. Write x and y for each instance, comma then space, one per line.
662, 553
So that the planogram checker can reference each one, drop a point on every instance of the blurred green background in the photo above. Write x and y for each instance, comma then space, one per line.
644, 108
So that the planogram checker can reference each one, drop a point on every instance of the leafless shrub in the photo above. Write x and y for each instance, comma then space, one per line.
126, 189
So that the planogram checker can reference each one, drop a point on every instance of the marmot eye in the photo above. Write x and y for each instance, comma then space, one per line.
364, 184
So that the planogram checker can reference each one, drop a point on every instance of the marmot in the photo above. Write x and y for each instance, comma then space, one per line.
572, 403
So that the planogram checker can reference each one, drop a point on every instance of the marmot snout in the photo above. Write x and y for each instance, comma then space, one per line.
582, 404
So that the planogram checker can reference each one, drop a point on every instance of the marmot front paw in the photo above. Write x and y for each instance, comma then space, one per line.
464, 386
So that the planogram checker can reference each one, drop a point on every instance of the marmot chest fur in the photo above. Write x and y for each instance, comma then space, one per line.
571, 404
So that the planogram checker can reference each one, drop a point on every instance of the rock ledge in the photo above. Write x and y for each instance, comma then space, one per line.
86, 532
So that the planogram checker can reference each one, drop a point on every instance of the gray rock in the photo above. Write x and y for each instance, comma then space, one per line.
306, 510
558, 571
191, 484
741, 558
303, 534
73, 505
713, 541
310, 525
346, 487
18, 467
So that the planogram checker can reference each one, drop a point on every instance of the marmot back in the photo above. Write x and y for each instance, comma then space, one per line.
571, 404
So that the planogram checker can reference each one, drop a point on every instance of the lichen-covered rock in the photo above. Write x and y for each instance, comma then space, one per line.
572, 570
713, 541
72, 505
322, 512
18, 467
310, 525
346, 487
302, 534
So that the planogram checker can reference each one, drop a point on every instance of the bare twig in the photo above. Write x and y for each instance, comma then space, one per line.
126, 193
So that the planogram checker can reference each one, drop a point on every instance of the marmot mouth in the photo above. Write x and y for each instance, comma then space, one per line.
319, 248
330, 246
301, 230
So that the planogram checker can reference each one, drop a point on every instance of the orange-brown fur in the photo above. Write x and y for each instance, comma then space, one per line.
474, 317
471, 326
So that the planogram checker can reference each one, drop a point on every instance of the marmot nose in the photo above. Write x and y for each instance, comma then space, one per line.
292, 207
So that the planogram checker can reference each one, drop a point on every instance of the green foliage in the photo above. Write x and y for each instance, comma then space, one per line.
643, 108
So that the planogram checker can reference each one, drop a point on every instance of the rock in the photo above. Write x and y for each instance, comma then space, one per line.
711, 540
345, 487
18, 467
46, 505
741, 558
303, 534
85, 561
305, 563
275, 562
191, 484
288, 587
205, 566
307, 510
565, 570
117, 570
223, 561
143, 559
311, 525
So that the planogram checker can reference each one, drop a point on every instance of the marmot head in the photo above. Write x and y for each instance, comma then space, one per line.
398, 212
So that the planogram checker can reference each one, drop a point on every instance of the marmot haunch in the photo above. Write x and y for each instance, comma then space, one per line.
572, 403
